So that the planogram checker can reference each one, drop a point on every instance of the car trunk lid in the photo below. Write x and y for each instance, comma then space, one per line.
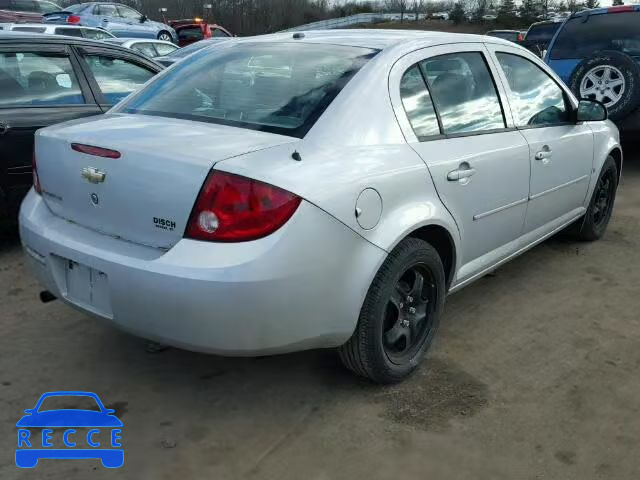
146, 194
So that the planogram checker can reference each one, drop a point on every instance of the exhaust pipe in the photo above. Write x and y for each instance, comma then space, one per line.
46, 296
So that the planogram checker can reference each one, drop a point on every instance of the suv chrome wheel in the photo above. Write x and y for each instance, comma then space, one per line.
604, 83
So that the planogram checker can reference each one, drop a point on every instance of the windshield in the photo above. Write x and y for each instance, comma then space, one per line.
615, 31
542, 32
277, 87
69, 402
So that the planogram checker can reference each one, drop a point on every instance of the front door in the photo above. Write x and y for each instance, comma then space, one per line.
38, 87
479, 165
561, 151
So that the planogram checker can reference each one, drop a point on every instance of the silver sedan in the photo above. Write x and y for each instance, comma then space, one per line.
315, 190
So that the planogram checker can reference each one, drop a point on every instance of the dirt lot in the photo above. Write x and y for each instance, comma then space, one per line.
534, 376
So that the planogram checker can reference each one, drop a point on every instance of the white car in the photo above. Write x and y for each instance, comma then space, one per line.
146, 46
315, 189
68, 30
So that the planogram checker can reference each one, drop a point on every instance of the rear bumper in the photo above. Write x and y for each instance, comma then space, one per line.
301, 287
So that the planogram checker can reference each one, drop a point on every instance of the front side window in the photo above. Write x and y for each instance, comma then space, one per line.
535, 98
417, 103
280, 87
37, 79
116, 77
581, 36
464, 93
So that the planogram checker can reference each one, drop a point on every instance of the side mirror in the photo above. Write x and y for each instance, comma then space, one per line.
29, 410
143, 18
591, 111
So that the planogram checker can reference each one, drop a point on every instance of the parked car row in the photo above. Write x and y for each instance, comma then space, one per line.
44, 81
116, 19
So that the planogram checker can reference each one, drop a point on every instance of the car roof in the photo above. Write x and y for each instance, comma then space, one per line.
374, 38
504, 31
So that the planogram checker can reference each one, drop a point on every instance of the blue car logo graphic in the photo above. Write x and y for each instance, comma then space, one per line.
34, 445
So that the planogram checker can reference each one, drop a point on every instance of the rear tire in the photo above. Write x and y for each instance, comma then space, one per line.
165, 36
600, 208
400, 314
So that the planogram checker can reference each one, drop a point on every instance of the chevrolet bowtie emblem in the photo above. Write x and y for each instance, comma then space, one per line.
93, 175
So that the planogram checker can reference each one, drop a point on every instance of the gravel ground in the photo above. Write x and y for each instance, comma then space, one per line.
534, 375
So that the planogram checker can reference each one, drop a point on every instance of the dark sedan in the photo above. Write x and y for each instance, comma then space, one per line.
46, 79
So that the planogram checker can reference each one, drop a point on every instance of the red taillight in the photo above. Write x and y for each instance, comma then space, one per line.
36, 179
231, 208
73, 19
621, 8
95, 151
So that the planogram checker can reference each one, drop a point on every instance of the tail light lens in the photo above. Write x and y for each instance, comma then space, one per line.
231, 208
73, 19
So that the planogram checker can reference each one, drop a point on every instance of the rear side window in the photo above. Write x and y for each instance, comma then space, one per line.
164, 49
48, 7
280, 88
218, 33
464, 93
106, 10
535, 98
116, 77
71, 32
145, 49
29, 29
38, 80
95, 34
542, 33
25, 6
614, 31
418, 105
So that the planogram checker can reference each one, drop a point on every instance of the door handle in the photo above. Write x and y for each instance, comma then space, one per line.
461, 173
544, 154
4, 128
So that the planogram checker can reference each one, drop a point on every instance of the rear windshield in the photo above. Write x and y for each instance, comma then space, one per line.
191, 33
542, 32
279, 87
77, 8
614, 31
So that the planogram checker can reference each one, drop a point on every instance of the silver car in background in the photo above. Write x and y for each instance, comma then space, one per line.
68, 30
314, 190
148, 47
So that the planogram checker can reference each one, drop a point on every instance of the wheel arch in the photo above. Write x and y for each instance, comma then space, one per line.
441, 239
616, 153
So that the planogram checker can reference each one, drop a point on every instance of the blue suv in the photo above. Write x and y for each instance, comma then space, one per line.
597, 53
120, 20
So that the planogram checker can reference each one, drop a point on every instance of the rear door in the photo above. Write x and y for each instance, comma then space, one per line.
452, 115
561, 151
40, 85
114, 74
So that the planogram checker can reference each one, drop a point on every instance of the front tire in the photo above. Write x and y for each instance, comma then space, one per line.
400, 314
165, 36
600, 207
